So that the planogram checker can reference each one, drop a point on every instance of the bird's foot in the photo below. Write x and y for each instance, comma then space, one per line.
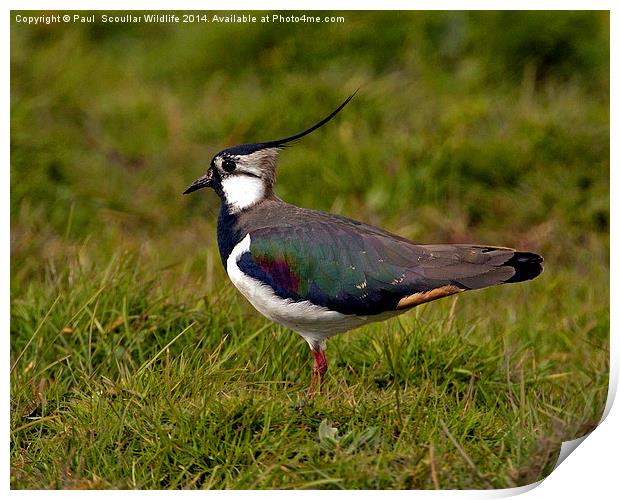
318, 372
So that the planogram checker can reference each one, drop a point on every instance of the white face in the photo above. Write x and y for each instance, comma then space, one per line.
245, 184
242, 191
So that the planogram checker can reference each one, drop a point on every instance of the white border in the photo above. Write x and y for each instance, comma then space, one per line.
592, 470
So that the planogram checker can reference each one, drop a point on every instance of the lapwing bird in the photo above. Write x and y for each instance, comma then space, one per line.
321, 274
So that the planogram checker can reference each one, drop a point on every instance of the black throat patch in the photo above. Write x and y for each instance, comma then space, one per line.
228, 232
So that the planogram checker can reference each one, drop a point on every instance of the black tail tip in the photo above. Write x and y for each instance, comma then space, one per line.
527, 266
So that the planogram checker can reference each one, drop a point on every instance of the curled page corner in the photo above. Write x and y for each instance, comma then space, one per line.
565, 450
568, 447
612, 388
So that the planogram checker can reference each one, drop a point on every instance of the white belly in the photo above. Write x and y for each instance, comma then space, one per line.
314, 323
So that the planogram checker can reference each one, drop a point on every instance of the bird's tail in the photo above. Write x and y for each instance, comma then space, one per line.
527, 266
450, 269
477, 266
471, 267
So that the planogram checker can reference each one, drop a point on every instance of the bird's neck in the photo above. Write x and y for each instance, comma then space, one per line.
239, 194
229, 232
233, 226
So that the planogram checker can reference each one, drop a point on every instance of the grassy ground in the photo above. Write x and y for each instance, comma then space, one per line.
134, 362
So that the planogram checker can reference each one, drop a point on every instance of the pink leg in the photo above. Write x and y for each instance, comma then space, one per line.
318, 371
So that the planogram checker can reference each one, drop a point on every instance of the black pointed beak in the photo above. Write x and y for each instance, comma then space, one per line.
202, 182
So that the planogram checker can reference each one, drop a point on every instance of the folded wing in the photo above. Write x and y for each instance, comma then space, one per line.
358, 269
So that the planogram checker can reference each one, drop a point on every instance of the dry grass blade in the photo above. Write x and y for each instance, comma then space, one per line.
163, 349
460, 449
37, 330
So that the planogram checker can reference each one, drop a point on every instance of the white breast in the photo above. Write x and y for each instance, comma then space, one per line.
314, 323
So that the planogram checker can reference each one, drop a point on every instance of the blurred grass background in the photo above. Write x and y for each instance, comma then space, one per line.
482, 127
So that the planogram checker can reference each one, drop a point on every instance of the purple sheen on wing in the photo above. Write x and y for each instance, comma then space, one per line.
280, 272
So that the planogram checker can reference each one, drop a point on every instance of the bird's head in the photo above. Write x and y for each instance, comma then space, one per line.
244, 175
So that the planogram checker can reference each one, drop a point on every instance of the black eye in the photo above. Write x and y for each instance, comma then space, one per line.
228, 165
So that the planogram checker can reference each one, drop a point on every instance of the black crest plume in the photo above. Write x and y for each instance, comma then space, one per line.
244, 149
281, 142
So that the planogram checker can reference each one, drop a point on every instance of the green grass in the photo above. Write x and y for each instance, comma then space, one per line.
135, 363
